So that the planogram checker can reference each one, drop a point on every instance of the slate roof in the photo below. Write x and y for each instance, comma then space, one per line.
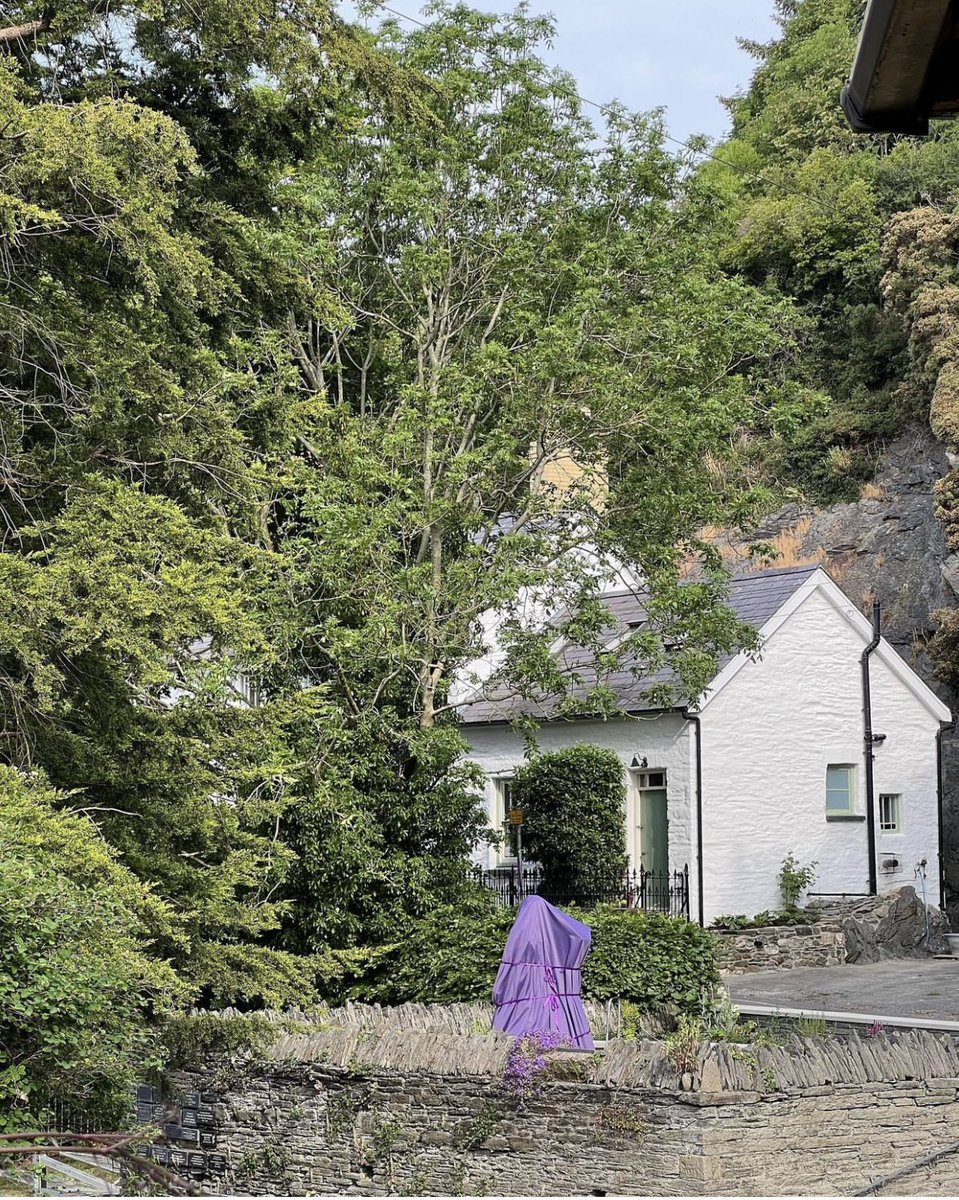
754, 599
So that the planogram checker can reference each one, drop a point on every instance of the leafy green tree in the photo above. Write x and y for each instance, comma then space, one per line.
502, 296
76, 974
117, 632
497, 294
575, 806
147, 411
134, 569
803, 205
382, 832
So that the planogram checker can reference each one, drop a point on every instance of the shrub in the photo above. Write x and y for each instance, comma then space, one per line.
194, 1040
728, 921
574, 801
794, 879
649, 959
75, 979
683, 1047
452, 955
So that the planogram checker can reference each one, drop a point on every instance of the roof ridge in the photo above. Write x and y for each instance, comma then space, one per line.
642, 593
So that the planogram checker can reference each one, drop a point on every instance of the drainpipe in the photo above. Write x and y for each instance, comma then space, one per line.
869, 740
696, 722
943, 727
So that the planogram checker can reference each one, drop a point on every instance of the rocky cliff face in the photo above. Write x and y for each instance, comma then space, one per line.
887, 545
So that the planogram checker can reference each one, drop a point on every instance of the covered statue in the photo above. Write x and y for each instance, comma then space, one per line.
537, 988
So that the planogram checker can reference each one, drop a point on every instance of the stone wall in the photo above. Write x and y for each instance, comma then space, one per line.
369, 1111
859, 930
776, 947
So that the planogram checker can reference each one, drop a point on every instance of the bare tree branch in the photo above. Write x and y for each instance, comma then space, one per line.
19, 33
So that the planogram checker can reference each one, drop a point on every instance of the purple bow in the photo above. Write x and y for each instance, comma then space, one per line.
553, 989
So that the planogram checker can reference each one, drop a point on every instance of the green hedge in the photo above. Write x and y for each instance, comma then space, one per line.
454, 953
575, 801
649, 959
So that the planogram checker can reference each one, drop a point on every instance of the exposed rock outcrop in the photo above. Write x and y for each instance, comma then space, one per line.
896, 925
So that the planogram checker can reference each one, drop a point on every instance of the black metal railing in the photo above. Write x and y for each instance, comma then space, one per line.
653, 891
88, 1115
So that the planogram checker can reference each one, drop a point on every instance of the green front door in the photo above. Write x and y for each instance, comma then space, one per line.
653, 830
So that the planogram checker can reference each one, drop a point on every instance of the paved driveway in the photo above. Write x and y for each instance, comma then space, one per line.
921, 989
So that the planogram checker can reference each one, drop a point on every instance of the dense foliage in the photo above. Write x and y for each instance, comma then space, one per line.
302, 325
574, 802
298, 319
648, 959
808, 209
75, 972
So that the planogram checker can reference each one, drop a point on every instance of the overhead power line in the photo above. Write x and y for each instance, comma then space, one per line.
603, 108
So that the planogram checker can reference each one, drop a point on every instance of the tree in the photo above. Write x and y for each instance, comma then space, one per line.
501, 295
76, 976
802, 208
496, 292
133, 421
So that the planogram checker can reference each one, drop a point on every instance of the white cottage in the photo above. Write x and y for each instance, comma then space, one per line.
772, 760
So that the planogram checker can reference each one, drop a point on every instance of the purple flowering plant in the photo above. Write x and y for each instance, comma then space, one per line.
527, 1062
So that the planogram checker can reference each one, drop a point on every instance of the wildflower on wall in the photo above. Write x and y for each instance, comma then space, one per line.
527, 1063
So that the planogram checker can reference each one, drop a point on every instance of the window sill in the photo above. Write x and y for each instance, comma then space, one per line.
845, 816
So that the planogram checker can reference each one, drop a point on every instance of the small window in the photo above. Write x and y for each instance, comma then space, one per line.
250, 692
840, 790
650, 779
502, 803
890, 813
625, 633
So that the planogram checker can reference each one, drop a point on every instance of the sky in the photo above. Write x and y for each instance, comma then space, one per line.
677, 54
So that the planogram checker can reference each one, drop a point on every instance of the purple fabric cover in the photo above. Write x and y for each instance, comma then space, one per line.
537, 985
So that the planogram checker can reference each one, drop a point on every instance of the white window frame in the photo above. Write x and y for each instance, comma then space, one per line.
852, 808
499, 811
630, 630
886, 828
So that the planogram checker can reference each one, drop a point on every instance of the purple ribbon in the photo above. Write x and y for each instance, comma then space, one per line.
554, 990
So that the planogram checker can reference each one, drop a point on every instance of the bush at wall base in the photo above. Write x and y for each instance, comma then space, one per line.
453, 955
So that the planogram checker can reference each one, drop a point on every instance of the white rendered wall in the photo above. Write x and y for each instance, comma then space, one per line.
768, 736
665, 741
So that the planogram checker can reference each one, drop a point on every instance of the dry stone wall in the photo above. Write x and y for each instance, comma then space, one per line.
377, 1110
859, 930
779, 947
